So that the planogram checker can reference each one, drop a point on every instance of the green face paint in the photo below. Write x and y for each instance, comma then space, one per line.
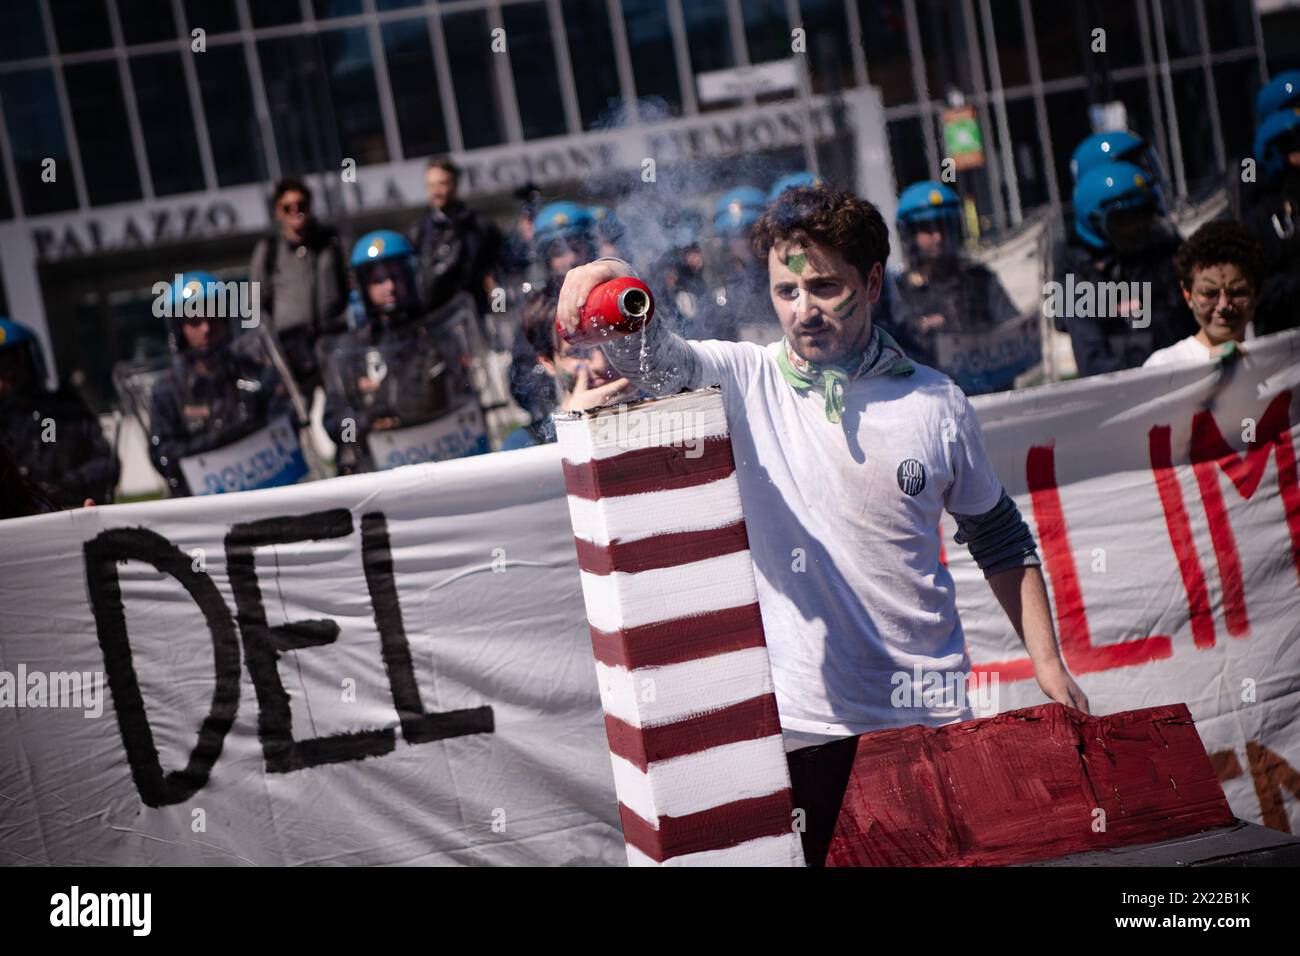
797, 262
846, 303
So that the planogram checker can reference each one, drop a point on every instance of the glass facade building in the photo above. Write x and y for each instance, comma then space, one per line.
153, 101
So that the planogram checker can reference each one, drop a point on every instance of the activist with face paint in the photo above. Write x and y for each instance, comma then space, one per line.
847, 452
1220, 269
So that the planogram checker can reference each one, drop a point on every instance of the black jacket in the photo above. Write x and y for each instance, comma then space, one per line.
1108, 343
970, 298
423, 378
236, 399
455, 251
76, 464
1274, 218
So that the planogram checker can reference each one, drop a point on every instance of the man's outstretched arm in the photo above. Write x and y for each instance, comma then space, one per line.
660, 362
1023, 596
1004, 549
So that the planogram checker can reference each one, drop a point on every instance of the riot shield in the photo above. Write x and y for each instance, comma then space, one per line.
232, 420
408, 387
990, 359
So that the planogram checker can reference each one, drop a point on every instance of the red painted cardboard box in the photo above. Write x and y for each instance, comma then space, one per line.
1027, 785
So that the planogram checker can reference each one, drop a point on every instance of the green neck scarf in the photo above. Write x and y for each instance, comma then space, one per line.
882, 356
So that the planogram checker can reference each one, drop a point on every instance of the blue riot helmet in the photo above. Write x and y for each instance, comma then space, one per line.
191, 299
800, 180
737, 210
1113, 146
1108, 189
1278, 93
21, 366
1277, 137
925, 206
569, 221
562, 228
683, 228
927, 201
609, 228
384, 265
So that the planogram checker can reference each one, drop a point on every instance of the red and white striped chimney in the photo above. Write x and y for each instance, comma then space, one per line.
699, 764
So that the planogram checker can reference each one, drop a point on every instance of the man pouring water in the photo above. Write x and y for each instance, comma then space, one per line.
846, 453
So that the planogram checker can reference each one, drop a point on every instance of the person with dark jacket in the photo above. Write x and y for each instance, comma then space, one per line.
213, 395
302, 275
1118, 290
1273, 215
53, 439
456, 249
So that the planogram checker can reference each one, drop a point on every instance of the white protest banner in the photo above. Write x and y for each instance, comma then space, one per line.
389, 668
461, 433
268, 458
1167, 511
396, 668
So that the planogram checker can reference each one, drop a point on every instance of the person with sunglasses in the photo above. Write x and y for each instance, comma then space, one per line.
303, 280
1219, 272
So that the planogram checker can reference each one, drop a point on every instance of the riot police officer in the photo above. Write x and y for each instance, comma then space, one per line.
1124, 259
679, 272
941, 290
610, 232
799, 180
215, 394
1109, 146
398, 390
738, 304
1275, 208
52, 437
1118, 146
564, 236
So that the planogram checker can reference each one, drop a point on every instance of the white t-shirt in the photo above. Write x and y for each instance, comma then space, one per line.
843, 528
1186, 351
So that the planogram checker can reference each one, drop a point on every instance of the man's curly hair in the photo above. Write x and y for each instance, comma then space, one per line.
1216, 243
840, 220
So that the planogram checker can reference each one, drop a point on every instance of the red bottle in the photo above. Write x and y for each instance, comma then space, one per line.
617, 307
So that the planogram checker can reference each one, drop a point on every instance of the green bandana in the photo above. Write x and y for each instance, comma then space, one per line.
882, 356
1228, 350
